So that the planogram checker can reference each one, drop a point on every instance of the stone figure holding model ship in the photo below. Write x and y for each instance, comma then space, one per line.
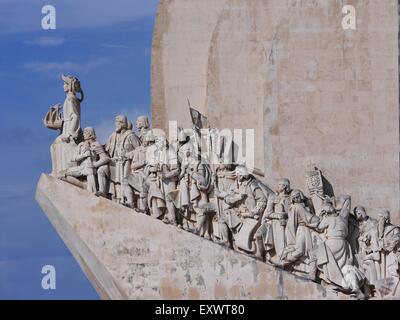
67, 119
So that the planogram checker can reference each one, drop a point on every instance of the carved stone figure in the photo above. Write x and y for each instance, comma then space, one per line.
71, 108
119, 144
224, 178
242, 217
195, 182
199, 192
188, 163
169, 168
300, 247
156, 195
272, 231
334, 256
141, 159
92, 163
389, 235
64, 147
142, 125
369, 255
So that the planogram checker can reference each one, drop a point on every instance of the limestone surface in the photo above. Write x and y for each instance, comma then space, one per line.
128, 255
312, 91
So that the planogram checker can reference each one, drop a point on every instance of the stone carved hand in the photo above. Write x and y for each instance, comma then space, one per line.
247, 215
283, 215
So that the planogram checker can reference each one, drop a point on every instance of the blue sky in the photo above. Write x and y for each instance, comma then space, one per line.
108, 47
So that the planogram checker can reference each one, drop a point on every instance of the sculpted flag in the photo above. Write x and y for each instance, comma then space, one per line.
199, 120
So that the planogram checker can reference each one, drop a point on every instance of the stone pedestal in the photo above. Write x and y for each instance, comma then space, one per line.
61, 155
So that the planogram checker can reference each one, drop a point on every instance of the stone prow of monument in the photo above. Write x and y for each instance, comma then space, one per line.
128, 255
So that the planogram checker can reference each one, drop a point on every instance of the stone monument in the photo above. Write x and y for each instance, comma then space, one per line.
183, 218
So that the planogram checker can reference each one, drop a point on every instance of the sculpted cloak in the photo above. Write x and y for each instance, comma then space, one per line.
72, 116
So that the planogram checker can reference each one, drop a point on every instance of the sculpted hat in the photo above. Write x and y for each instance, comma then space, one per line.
242, 170
72, 81
297, 192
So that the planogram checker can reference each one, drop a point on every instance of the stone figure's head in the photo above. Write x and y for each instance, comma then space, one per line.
297, 196
142, 122
283, 185
360, 213
71, 84
149, 138
121, 123
383, 220
385, 216
327, 209
392, 243
242, 173
89, 134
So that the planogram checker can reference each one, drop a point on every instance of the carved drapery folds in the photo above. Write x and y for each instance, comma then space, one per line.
320, 237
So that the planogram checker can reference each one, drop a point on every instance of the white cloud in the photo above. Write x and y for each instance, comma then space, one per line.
111, 45
46, 41
25, 16
9, 191
63, 66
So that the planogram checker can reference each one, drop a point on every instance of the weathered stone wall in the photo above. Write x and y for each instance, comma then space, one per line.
313, 92
181, 41
127, 255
